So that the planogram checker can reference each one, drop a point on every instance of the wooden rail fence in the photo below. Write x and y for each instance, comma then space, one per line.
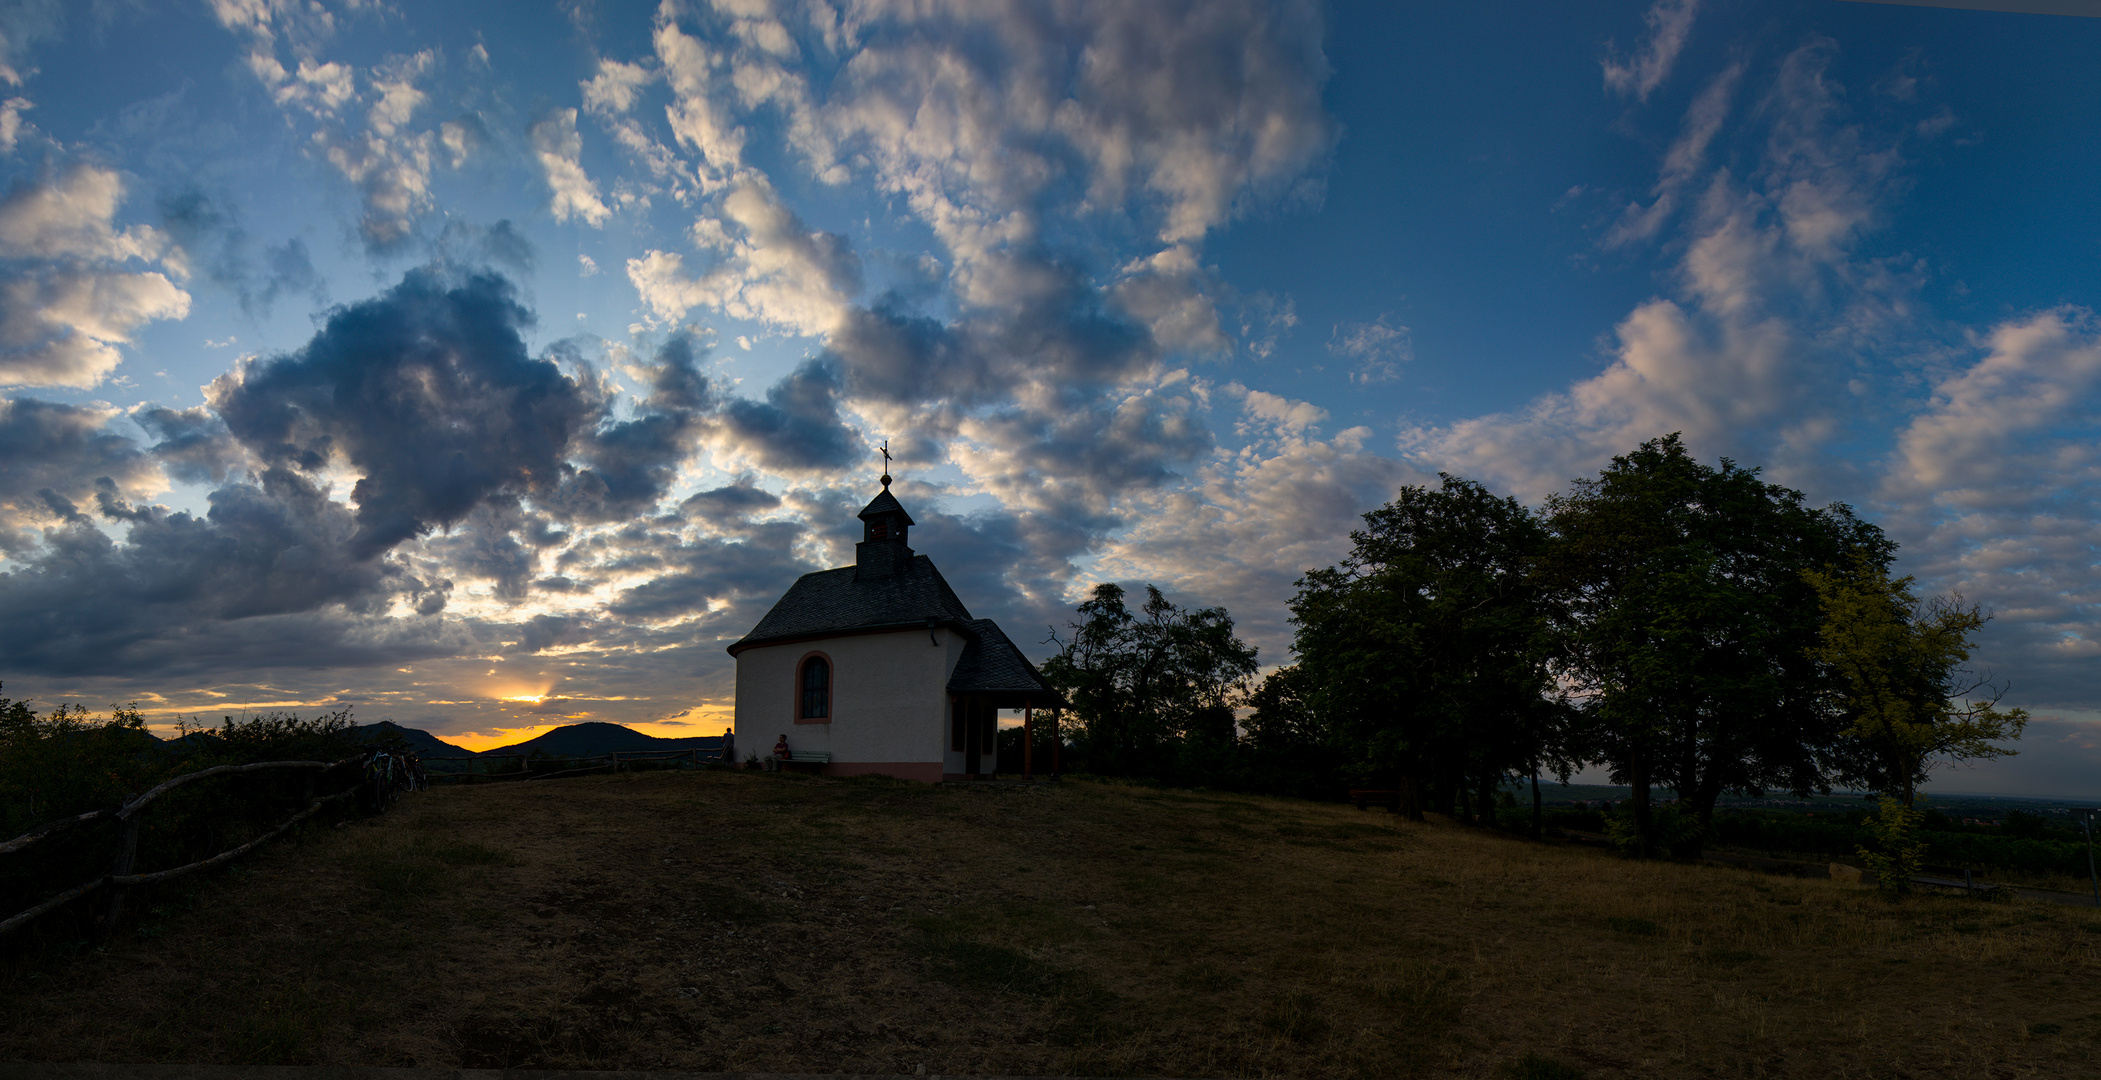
120, 877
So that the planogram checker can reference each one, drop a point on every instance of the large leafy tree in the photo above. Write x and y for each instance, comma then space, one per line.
1423, 652
1150, 687
1688, 630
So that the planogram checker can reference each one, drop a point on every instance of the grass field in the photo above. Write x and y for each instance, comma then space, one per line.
759, 922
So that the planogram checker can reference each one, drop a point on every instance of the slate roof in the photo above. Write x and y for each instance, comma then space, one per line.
831, 601
991, 664
885, 503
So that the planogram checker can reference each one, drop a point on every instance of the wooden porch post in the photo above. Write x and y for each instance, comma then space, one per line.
1028, 742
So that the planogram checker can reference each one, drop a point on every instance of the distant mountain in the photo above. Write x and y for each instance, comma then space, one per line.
584, 740
422, 742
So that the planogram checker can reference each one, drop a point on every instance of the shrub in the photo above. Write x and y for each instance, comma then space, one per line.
69, 761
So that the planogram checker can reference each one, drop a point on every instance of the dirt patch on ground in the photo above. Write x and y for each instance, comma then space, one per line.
739, 922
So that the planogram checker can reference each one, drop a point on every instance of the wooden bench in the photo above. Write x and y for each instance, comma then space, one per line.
1363, 797
801, 760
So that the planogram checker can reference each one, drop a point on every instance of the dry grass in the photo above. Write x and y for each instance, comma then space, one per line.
770, 923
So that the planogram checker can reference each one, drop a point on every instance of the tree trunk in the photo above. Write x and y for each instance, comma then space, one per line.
1485, 802
1644, 823
1538, 827
1412, 796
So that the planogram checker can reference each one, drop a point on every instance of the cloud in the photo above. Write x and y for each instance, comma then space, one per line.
23, 26
1669, 24
51, 451
215, 242
1994, 486
238, 589
773, 269
614, 88
626, 467
1379, 348
1683, 163
195, 445
797, 428
1255, 519
1774, 304
378, 152
558, 147
66, 299
427, 391
11, 122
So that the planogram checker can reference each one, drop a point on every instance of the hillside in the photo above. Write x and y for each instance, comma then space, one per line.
779, 923
422, 742
583, 740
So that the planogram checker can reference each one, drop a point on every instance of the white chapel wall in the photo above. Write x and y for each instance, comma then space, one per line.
889, 697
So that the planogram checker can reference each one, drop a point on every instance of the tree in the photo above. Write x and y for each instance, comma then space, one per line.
1907, 699
1687, 628
1423, 653
1152, 688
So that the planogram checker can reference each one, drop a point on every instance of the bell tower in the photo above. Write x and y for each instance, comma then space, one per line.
884, 528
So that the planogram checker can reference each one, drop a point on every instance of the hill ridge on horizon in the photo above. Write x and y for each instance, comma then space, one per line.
599, 737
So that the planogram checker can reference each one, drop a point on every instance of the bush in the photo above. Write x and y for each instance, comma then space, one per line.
68, 761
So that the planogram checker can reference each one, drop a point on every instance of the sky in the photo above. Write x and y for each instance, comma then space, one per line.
491, 366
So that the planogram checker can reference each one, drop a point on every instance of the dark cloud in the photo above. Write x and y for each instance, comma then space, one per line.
749, 574
546, 631
627, 466
797, 427
427, 391
194, 445
732, 503
48, 447
891, 354
180, 588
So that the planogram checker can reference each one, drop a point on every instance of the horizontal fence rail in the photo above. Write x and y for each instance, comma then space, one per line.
382, 771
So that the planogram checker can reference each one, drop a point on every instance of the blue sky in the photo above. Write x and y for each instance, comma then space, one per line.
490, 367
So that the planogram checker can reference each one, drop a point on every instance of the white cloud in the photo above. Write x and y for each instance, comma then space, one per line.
1669, 24
1379, 348
1682, 163
389, 163
1256, 519
1996, 434
11, 112
774, 269
1752, 356
559, 148
614, 88
66, 299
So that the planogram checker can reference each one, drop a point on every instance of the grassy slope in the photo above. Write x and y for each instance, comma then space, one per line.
780, 923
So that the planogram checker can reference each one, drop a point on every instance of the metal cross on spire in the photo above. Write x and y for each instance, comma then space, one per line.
885, 448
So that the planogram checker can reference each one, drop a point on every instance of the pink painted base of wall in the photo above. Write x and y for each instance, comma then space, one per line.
924, 771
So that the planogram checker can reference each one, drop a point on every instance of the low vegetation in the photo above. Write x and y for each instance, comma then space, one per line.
67, 760
777, 923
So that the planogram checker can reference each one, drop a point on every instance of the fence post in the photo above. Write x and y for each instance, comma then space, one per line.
127, 851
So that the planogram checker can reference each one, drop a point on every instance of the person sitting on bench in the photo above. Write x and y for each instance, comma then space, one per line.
780, 749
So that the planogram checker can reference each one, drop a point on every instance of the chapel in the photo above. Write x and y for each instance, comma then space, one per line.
879, 668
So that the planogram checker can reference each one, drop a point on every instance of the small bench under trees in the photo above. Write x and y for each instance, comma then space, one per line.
1363, 797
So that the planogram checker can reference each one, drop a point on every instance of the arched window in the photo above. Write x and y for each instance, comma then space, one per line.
816, 689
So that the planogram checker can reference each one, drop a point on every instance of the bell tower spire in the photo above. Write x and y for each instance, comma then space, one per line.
882, 551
